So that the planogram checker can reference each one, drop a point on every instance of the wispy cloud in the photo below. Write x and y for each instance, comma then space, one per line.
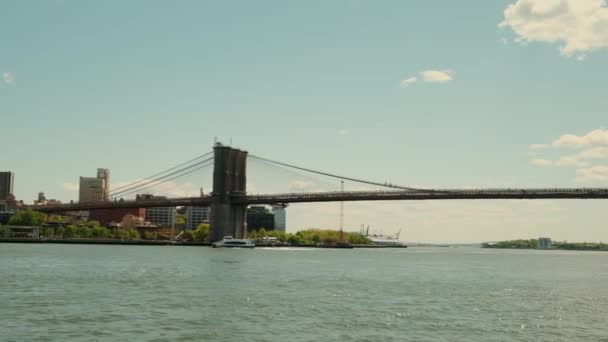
428, 76
409, 81
343, 132
591, 175
588, 153
598, 137
579, 26
8, 78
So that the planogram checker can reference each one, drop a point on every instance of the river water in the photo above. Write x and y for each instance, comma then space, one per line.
149, 293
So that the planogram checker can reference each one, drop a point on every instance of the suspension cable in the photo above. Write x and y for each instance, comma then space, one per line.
156, 175
170, 179
121, 192
337, 176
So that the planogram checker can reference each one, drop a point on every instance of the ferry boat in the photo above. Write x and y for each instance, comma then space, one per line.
230, 242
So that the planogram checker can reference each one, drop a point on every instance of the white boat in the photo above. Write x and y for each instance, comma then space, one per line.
381, 239
230, 242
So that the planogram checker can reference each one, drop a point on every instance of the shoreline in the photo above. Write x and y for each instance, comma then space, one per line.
164, 243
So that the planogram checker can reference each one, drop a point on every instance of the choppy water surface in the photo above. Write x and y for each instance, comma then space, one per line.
141, 293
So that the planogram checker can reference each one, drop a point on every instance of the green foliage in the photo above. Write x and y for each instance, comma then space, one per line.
100, 233
310, 236
586, 246
521, 244
70, 232
126, 234
533, 244
1, 231
201, 232
187, 235
26, 218
47, 232
180, 219
149, 236
59, 232
83, 232
92, 224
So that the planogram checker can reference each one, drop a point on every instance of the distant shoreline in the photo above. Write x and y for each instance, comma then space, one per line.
161, 243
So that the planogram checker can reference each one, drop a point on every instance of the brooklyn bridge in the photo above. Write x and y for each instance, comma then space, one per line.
229, 198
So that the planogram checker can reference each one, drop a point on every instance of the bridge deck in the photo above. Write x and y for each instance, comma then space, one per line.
431, 194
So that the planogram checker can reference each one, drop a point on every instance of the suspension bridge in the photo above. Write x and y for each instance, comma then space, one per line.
229, 198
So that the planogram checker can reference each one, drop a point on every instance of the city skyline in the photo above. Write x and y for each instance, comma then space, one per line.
428, 102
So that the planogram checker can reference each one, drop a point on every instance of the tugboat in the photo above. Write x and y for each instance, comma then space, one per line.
230, 242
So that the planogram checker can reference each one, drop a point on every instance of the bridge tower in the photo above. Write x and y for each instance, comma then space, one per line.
229, 178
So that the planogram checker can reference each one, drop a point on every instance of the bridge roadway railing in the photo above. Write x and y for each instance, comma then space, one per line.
431, 194
338, 196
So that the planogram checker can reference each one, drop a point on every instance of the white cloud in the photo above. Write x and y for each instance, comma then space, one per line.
541, 162
589, 160
429, 76
70, 186
596, 137
408, 81
343, 132
438, 76
8, 78
599, 152
592, 174
579, 26
570, 161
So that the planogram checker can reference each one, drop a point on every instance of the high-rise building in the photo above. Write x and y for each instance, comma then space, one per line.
104, 174
196, 216
93, 189
6, 185
160, 216
280, 217
259, 217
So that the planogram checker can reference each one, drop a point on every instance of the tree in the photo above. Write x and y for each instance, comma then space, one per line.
149, 236
83, 232
201, 232
47, 232
187, 235
26, 218
70, 231
100, 232
59, 232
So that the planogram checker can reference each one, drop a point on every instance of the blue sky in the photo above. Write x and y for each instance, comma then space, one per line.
140, 86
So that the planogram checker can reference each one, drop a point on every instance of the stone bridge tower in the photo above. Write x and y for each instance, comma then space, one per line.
229, 178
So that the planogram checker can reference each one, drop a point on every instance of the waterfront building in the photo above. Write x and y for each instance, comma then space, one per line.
6, 185
94, 189
280, 217
196, 215
259, 217
160, 216
21, 232
108, 217
544, 243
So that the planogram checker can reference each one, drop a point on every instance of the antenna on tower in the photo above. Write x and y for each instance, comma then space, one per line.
341, 207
